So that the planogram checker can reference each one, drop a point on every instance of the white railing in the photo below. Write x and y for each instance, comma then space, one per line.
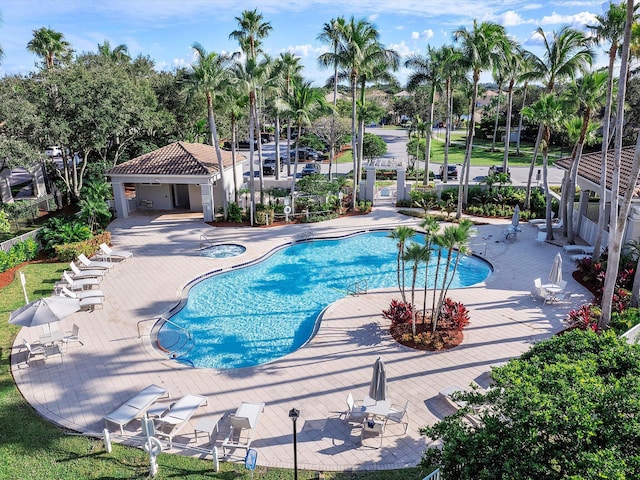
435, 475
7, 244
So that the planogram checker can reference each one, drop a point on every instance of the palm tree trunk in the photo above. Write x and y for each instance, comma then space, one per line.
216, 144
332, 139
507, 133
295, 171
354, 142
495, 124
233, 157
545, 180
447, 130
252, 185
527, 198
524, 98
463, 188
277, 146
602, 205
427, 147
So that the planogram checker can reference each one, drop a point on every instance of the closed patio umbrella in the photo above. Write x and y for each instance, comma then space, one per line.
378, 387
515, 220
555, 275
44, 310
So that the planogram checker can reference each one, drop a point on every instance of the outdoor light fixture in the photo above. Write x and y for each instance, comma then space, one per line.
293, 415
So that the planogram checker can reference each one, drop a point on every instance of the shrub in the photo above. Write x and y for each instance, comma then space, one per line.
399, 312
18, 253
625, 320
584, 318
61, 230
454, 316
70, 251
234, 213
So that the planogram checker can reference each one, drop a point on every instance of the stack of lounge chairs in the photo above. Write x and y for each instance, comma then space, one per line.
85, 275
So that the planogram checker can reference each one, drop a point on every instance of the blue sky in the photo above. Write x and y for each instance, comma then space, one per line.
165, 29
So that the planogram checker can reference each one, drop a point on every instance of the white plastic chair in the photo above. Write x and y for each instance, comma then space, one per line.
72, 336
33, 350
353, 413
109, 252
397, 414
372, 427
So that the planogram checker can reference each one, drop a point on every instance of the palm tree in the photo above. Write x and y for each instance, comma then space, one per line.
620, 210
234, 104
547, 112
358, 47
302, 105
210, 76
332, 33
402, 235
610, 28
50, 46
564, 56
512, 68
480, 47
430, 226
450, 62
252, 29
588, 94
415, 254
287, 67
119, 54
426, 70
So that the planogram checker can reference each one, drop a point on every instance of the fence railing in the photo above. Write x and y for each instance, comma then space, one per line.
435, 475
7, 244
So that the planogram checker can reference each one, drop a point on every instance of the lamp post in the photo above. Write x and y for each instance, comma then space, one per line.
293, 415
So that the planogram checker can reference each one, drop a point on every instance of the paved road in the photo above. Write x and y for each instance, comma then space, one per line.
396, 141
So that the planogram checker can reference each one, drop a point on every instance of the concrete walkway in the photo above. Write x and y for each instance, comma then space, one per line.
115, 362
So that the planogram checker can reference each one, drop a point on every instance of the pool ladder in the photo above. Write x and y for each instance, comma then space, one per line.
182, 345
357, 288
206, 241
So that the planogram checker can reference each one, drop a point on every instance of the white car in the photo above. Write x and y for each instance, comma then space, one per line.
54, 151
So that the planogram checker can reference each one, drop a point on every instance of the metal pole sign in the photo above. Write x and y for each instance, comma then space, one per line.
23, 281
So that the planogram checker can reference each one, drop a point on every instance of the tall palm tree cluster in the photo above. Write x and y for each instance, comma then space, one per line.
252, 88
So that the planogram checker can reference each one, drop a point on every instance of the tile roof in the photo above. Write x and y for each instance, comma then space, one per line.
591, 166
179, 158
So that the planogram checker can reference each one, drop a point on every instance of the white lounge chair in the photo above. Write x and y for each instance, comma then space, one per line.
46, 351
373, 427
554, 226
82, 294
576, 249
178, 415
355, 412
135, 406
79, 283
89, 303
93, 264
243, 425
109, 253
87, 273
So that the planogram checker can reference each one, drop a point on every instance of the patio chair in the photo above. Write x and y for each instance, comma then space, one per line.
86, 303
81, 274
72, 336
93, 264
372, 427
80, 283
33, 350
538, 291
398, 414
354, 413
82, 294
109, 253
135, 406
243, 425
178, 415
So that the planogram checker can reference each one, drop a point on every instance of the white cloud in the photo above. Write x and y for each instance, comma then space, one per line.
424, 35
532, 6
535, 39
582, 18
373, 17
511, 19
399, 27
306, 50
402, 49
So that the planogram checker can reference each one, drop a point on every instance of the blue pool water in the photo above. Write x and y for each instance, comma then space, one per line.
223, 251
262, 312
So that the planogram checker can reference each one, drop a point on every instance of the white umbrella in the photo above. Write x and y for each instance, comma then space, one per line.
555, 275
378, 387
515, 220
44, 310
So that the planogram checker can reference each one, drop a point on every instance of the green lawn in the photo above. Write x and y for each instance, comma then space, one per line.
33, 449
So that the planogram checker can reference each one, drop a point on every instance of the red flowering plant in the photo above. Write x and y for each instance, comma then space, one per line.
398, 312
453, 316
584, 318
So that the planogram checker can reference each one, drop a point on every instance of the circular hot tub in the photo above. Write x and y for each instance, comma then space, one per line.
225, 250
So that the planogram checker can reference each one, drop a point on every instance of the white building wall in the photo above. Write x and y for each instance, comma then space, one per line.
156, 197
195, 198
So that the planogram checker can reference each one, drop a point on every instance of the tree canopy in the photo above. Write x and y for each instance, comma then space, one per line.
569, 408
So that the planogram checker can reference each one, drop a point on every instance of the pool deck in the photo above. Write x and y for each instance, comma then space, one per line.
115, 362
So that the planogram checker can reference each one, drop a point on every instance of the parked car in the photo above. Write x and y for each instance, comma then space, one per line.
269, 166
496, 169
452, 171
312, 154
266, 137
53, 151
310, 169
244, 145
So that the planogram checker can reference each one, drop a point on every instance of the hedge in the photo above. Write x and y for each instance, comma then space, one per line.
18, 253
70, 251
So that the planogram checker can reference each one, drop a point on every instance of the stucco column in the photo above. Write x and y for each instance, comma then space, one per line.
120, 200
582, 209
208, 207
370, 189
401, 184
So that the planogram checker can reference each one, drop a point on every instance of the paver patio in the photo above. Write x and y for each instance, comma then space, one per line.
115, 362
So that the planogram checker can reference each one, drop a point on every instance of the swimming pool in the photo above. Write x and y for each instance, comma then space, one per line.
224, 250
253, 315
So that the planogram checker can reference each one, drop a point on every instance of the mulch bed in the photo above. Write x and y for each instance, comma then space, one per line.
8, 276
449, 338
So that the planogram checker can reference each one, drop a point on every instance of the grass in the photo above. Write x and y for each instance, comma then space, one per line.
33, 449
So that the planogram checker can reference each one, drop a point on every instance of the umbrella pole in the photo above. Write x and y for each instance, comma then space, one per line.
23, 281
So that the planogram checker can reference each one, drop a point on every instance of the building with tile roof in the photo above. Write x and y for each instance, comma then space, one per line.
181, 175
588, 179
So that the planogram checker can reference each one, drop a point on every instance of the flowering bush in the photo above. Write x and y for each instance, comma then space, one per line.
454, 316
399, 312
584, 318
